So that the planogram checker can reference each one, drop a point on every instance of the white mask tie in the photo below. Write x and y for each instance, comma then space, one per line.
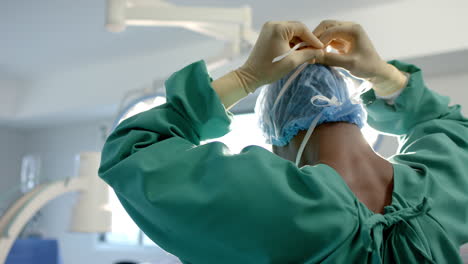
296, 47
290, 79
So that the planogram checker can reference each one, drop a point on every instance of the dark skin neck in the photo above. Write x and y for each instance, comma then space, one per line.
343, 147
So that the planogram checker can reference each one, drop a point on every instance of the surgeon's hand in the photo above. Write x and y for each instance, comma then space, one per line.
277, 38
357, 55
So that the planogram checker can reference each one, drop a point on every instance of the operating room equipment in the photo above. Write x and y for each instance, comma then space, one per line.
231, 25
90, 214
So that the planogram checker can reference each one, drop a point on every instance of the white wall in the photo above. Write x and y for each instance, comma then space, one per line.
10, 90
96, 88
12, 149
453, 85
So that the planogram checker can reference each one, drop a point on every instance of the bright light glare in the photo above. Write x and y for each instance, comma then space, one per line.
370, 134
124, 230
143, 106
244, 132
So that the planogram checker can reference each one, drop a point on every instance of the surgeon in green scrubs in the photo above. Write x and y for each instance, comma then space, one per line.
342, 204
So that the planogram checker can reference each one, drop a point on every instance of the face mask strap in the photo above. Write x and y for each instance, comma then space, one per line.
296, 47
294, 75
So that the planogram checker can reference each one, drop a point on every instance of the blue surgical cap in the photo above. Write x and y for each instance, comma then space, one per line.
294, 111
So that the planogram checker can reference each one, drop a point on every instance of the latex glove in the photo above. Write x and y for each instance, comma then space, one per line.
357, 55
277, 38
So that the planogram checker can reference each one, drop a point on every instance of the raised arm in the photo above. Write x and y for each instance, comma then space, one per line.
433, 139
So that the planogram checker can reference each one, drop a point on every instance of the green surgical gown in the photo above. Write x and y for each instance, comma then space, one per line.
208, 206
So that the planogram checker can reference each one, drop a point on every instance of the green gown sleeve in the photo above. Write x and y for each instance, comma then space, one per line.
433, 141
206, 205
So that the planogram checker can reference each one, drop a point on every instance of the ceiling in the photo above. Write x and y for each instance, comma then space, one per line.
50, 50
40, 37
302, 10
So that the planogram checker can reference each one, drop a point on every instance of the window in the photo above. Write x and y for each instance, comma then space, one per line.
244, 132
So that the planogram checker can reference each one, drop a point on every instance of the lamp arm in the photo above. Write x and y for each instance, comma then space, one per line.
231, 24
